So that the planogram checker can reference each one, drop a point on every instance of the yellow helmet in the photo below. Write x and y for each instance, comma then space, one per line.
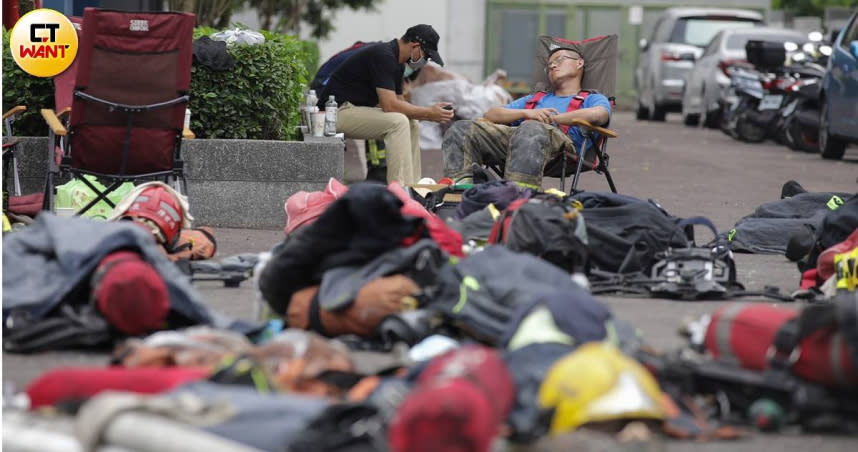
596, 383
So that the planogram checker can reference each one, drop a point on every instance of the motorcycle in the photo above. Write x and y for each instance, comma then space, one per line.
751, 104
800, 114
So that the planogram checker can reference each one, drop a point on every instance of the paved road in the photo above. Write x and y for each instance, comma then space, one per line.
689, 171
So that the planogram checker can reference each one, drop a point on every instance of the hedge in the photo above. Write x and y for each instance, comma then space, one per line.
258, 99
20, 88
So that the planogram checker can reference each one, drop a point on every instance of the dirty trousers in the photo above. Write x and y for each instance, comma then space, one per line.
401, 138
522, 152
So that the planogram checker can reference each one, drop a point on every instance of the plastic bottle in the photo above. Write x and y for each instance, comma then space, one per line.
310, 102
330, 117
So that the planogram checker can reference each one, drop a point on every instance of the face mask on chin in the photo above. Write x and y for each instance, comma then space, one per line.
415, 65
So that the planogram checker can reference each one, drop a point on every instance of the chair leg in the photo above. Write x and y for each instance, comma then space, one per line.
16, 181
578, 169
100, 195
610, 179
48, 200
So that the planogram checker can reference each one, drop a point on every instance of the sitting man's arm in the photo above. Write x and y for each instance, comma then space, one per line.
506, 115
390, 102
596, 116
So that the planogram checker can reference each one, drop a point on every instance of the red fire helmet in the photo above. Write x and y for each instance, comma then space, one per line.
157, 207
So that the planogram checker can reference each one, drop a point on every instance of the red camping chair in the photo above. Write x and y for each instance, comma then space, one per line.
129, 99
600, 55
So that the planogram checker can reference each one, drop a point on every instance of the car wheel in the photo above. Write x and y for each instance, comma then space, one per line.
711, 119
642, 112
690, 119
656, 112
830, 147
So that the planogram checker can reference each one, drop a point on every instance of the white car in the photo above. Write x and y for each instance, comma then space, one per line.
710, 75
678, 38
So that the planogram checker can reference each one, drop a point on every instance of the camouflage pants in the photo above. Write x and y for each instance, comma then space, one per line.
521, 152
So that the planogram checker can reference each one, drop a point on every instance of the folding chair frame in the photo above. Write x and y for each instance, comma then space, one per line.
599, 147
10, 160
177, 173
59, 137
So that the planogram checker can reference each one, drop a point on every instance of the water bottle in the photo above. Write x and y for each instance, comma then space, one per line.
330, 117
310, 102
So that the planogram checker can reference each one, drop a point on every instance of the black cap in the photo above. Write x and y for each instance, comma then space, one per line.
428, 39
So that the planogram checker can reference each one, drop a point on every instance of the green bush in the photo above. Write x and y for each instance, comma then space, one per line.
20, 88
258, 99
311, 58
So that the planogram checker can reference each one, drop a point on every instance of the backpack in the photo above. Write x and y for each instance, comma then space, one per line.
547, 227
328, 67
837, 225
625, 233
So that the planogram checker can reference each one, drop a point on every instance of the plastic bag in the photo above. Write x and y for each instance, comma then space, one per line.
239, 36
76, 195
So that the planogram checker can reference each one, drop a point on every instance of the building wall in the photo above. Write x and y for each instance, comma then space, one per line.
460, 24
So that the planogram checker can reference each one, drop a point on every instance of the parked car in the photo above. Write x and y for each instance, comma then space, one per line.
678, 38
838, 117
710, 75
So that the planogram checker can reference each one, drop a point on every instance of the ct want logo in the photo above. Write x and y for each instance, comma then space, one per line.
43, 43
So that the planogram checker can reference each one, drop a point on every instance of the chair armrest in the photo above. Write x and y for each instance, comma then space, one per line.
53, 122
64, 112
187, 134
602, 130
14, 111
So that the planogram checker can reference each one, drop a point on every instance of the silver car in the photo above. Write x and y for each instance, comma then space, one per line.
711, 74
678, 38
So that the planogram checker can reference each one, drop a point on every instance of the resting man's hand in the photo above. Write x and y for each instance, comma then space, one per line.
541, 114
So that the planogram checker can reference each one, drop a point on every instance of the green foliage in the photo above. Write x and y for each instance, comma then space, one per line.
258, 99
20, 88
288, 15
810, 7
311, 56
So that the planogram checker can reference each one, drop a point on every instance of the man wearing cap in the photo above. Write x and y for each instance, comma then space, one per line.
524, 138
368, 88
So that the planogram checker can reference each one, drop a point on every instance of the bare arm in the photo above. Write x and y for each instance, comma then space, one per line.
503, 115
594, 115
390, 102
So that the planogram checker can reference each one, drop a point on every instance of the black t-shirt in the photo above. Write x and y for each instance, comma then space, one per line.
355, 80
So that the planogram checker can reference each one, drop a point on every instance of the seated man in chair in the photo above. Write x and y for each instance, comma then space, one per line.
529, 133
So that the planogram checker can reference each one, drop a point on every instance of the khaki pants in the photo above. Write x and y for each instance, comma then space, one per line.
401, 138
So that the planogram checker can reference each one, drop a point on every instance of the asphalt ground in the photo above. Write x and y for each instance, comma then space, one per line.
689, 171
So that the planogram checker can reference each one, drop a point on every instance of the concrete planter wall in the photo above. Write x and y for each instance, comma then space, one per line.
231, 183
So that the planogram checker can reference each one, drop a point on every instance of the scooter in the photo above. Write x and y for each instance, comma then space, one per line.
800, 113
744, 95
